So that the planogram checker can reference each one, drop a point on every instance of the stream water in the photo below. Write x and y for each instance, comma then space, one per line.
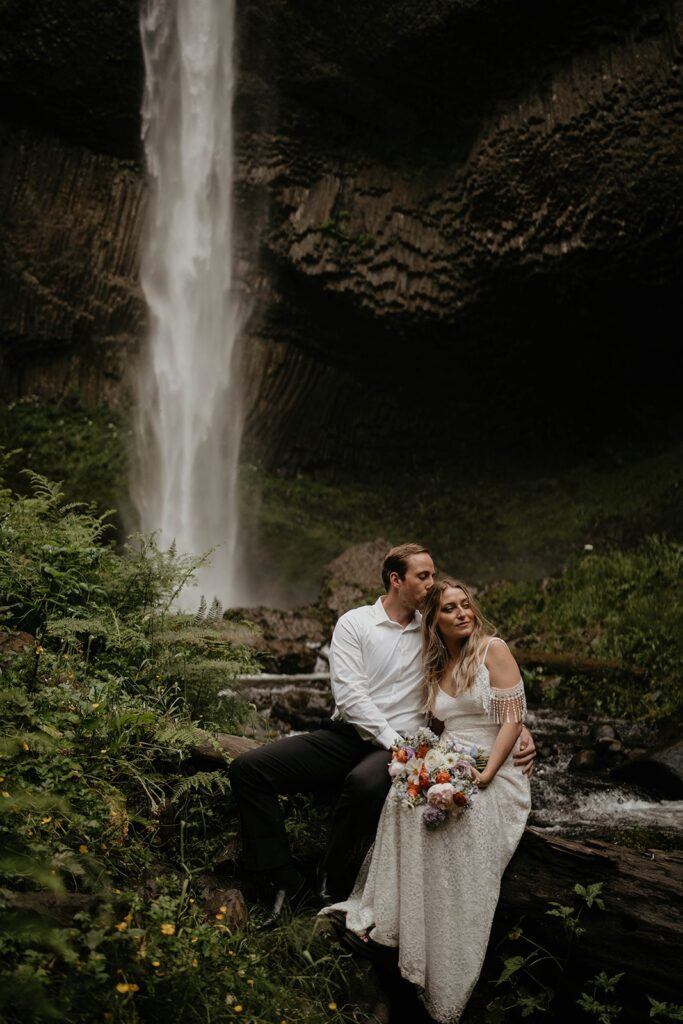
587, 805
564, 802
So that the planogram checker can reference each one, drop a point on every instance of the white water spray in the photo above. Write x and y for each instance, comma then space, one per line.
188, 424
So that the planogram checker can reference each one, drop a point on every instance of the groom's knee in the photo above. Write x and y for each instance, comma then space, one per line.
244, 769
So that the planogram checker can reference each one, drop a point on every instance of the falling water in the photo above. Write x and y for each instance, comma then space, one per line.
188, 427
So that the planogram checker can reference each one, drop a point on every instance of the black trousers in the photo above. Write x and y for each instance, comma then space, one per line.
335, 758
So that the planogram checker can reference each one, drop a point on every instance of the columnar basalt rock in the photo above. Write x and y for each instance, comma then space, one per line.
455, 187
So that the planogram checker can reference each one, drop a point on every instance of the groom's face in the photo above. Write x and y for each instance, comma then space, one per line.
418, 580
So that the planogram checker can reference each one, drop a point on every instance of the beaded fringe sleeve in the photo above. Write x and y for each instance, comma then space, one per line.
501, 706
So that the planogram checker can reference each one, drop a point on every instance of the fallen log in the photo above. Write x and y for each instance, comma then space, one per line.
573, 662
638, 932
219, 748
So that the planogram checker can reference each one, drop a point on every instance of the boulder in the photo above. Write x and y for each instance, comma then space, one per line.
660, 771
353, 578
287, 640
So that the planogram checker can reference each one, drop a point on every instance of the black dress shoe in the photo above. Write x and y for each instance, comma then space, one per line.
289, 897
328, 894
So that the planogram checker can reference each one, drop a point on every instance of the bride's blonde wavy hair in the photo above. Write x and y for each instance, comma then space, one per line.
434, 650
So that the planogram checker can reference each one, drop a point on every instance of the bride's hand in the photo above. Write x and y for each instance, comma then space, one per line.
481, 778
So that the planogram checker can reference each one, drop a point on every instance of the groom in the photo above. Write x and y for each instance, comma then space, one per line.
376, 677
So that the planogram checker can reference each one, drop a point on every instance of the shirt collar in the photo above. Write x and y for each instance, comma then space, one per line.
381, 617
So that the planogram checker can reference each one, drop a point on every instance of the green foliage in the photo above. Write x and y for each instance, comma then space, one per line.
104, 688
596, 1003
622, 606
665, 1011
159, 954
532, 981
87, 449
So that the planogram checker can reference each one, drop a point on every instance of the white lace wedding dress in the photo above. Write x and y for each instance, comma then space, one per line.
433, 892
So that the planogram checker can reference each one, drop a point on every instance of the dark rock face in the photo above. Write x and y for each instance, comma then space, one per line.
463, 203
71, 312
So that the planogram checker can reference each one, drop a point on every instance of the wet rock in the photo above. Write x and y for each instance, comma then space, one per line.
660, 771
221, 904
354, 577
610, 752
287, 640
303, 708
16, 643
603, 733
583, 761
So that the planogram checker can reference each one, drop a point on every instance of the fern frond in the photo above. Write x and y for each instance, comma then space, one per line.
208, 782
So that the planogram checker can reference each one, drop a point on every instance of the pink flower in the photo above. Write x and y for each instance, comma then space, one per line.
441, 795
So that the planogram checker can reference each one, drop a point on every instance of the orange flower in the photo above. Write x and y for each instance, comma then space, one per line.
424, 778
442, 777
400, 755
413, 790
422, 750
460, 799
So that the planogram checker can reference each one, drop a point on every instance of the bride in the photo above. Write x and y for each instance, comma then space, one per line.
433, 891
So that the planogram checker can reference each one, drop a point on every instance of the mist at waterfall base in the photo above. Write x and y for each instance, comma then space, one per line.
188, 421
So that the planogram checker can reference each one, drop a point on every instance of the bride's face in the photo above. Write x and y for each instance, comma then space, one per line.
456, 616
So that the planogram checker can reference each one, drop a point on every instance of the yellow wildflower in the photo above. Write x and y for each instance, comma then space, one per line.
83, 848
95, 705
121, 926
219, 917
194, 962
156, 963
25, 745
331, 1006
167, 929
223, 909
125, 986
6, 795
195, 938
46, 821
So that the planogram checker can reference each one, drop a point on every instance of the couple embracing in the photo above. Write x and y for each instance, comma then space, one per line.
423, 653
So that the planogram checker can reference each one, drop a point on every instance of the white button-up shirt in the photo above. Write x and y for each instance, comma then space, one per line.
376, 674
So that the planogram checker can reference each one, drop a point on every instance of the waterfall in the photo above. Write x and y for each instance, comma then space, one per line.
188, 418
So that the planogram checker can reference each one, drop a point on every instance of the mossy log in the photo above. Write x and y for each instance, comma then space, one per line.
221, 747
638, 931
573, 663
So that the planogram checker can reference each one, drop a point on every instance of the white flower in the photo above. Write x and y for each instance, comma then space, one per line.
414, 767
451, 758
434, 759
397, 769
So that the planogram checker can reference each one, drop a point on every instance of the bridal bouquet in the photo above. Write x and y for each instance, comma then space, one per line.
426, 770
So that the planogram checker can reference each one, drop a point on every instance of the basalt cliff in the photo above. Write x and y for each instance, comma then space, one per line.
461, 220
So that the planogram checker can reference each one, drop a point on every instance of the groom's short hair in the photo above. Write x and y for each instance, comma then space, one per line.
396, 560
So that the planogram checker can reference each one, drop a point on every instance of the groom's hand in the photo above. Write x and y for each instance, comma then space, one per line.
526, 755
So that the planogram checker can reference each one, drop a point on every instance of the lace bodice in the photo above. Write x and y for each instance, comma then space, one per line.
477, 714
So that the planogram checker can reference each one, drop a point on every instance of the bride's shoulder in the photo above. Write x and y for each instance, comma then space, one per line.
500, 661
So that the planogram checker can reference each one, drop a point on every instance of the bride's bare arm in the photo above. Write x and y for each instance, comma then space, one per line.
504, 674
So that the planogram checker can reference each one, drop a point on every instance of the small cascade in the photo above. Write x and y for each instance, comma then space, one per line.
188, 418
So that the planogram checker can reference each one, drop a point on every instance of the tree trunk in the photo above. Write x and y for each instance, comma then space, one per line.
638, 932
